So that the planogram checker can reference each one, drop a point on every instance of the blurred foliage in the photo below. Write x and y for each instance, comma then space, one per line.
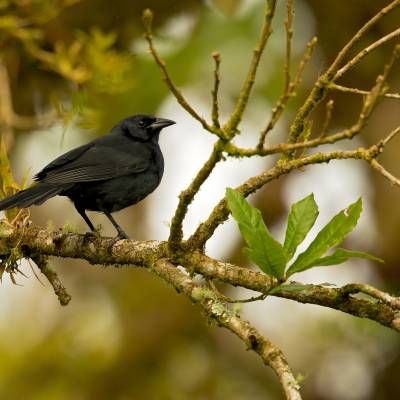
54, 49
125, 334
87, 61
8, 184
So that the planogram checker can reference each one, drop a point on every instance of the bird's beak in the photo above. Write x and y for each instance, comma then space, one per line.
161, 123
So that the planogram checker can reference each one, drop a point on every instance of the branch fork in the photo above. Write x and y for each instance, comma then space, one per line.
162, 258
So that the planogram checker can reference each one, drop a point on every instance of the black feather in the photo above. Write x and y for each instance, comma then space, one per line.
107, 174
35, 195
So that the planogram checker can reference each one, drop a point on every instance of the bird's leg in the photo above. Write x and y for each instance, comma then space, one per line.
121, 233
82, 213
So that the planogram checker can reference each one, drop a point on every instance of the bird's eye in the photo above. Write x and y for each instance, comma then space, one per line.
144, 122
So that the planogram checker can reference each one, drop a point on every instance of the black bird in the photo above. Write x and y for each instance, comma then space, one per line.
107, 174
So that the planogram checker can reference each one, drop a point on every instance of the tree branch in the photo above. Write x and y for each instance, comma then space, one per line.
187, 196
219, 312
220, 212
162, 258
354, 61
289, 37
230, 128
105, 251
345, 89
215, 103
358, 36
321, 87
60, 291
147, 20
386, 314
280, 105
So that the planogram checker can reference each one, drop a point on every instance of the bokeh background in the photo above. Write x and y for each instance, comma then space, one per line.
126, 335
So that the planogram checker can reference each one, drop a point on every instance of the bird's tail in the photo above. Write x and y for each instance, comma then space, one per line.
36, 195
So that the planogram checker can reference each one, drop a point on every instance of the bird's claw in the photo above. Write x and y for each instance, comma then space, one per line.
115, 240
91, 235
121, 236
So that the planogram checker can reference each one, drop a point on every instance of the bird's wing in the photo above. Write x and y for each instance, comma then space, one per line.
61, 161
96, 164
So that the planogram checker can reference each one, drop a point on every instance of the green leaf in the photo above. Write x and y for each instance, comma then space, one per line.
291, 287
263, 249
342, 255
331, 235
301, 219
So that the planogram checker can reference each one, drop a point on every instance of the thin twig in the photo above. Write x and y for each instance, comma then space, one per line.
283, 99
215, 102
388, 138
321, 87
34, 272
228, 299
230, 128
187, 196
348, 133
303, 62
369, 104
354, 288
217, 311
289, 37
354, 61
147, 21
42, 263
379, 90
345, 89
306, 136
220, 212
392, 179
358, 36
328, 117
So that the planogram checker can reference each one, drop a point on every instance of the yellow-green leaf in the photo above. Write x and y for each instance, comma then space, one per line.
301, 219
263, 249
331, 235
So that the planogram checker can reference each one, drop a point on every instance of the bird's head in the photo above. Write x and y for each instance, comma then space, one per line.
143, 127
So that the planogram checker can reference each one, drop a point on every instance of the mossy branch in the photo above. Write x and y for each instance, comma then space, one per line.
215, 102
187, 196
220, 212
162, 258
105, 251
220, 313
230, 128
334, 67
148, 21
42, 263
322, 86
154, 257
289, 91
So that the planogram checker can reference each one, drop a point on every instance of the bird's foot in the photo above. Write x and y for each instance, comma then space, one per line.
117, 238
92, 235
121, 235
